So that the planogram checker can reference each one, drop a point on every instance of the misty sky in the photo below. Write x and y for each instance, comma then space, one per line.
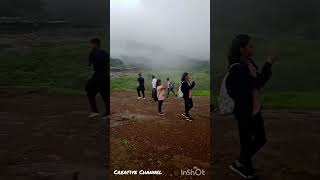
175, 26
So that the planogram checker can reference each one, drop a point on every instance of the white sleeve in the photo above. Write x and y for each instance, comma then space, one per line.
153, 83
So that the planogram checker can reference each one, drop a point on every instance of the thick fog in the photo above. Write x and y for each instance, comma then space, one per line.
160, 31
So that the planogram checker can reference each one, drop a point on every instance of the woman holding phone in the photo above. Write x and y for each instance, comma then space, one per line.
243, 85
186, 88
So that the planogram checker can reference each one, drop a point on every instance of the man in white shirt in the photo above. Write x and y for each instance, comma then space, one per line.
154, 88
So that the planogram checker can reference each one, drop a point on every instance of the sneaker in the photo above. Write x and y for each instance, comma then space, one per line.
244, 172
161, 114
144, 98
189, 119
93, 115
184, 115
139, 97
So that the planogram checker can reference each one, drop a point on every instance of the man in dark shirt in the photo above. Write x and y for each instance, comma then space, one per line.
98, 83
141, 87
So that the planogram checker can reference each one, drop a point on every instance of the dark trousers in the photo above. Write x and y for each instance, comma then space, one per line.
188, 105
252, 136
98, 83
160, 102
172, 90
154, 94
141, 89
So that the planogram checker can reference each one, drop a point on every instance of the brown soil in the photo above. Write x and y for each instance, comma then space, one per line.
141, 139
292, 151
49, 137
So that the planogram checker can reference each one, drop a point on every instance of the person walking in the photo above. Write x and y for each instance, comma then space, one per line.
243, 85
98, 83
186, 88
161, 91
154, 88
141, 87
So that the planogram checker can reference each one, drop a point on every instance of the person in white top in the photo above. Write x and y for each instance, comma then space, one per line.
154, 86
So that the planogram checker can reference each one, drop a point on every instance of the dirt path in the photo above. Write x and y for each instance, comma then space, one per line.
42, 138
141, 139
292, 151
49, 137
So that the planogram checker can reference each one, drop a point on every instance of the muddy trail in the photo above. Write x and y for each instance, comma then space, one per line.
141, 139
291, 153
49, 137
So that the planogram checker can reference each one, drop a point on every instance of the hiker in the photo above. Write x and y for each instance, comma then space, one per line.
186, 89
161, 91
154, 86
243, 85
169, 87
141, 87
172, 86
98, 83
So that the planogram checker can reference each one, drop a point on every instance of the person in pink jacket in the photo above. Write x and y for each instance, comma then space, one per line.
161, 92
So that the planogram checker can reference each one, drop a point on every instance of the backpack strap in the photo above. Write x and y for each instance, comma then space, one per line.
232, 65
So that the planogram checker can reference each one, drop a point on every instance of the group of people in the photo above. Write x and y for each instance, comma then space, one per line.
243, 85
161, 91
98, 83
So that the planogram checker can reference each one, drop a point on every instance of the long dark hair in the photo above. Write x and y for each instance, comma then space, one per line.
240, 41
96, 41
184, 76
158, 82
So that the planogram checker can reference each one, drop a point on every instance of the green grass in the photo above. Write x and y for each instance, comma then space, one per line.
61, 67
295, 82
128, 81
292, 100
288, 100
297, 65
57, 65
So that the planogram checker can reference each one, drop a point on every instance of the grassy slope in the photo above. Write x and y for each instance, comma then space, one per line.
128, 81
61, 66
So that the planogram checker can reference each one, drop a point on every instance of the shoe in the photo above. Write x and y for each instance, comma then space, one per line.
184, 115
243, 171
139, 97
189, 119
93, 115
144, 98
105, 117
161, 114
